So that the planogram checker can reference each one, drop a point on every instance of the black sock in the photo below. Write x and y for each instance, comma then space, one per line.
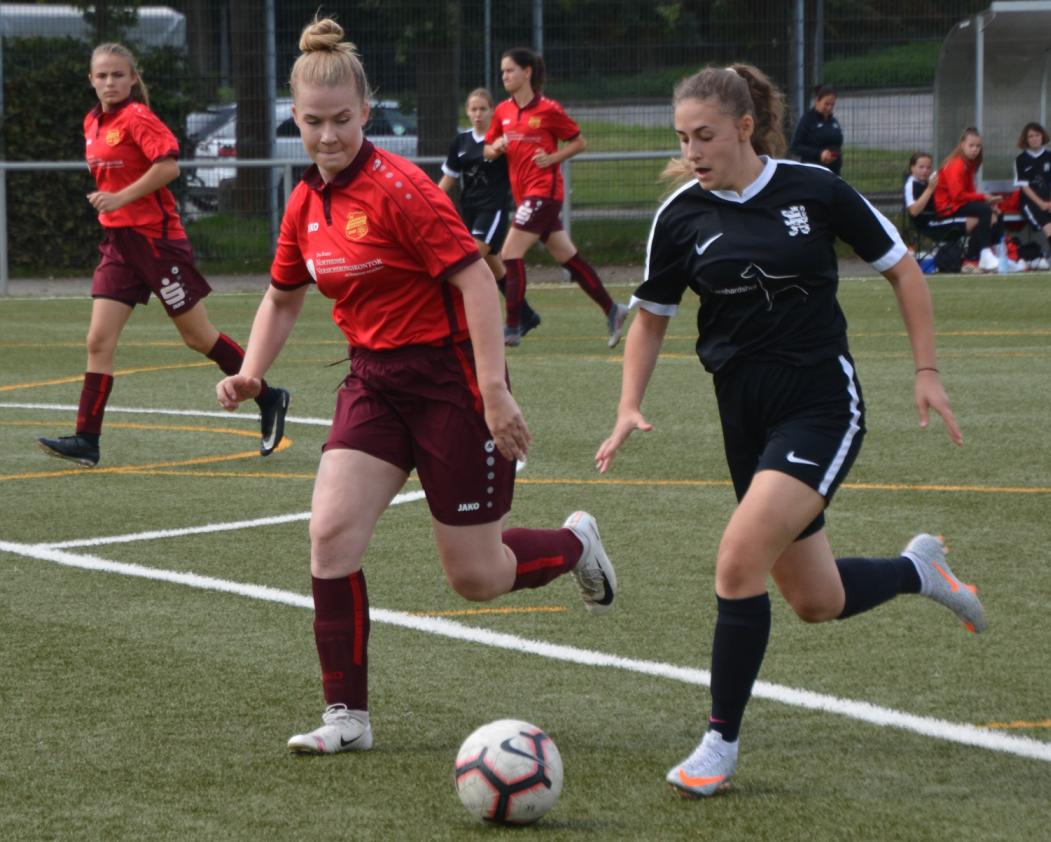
90, 438
527, 311
266, 398
741, 632
869, 582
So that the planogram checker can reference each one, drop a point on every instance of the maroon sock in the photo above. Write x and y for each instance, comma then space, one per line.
93, 396
515, 290
542, 554
228, 355
588, 280
341, 630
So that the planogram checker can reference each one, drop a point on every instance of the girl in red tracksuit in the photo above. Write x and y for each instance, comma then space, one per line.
957, 199
132, 156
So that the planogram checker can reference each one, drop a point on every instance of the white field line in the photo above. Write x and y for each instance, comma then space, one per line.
407, 497
193, 413
874, 714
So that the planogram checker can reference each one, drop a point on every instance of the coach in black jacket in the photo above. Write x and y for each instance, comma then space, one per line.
818, 138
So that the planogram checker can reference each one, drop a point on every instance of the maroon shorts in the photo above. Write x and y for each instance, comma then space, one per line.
134, 265
538, 215
419, 407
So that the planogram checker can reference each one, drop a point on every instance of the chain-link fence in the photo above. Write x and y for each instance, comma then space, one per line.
217, 72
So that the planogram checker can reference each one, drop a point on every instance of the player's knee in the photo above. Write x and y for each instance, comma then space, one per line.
473, 586
811, 610
99, 342
198, 343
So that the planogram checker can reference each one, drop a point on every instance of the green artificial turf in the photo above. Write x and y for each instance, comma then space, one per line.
147, 710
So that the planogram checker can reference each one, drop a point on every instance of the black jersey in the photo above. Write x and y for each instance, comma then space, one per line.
764, 263
814, 134
913, 190
486, 185
1034, 171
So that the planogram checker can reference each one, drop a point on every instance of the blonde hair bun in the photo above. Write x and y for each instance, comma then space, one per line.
324, 34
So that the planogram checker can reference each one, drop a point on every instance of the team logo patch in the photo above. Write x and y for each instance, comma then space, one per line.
113, 137
357, 225
534, 122
795, 219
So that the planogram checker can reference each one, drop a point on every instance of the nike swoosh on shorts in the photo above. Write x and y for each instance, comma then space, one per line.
791, 457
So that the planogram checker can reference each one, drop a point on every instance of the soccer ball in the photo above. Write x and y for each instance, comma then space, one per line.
508, 773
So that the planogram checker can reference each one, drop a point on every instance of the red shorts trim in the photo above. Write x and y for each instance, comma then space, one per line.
538, 215
419, 407
133, 266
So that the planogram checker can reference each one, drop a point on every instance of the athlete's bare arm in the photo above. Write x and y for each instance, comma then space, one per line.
447, 183
494, 150
274, 320
914, 301
641, 347
917, 207
482, 308
160, 174
577, 145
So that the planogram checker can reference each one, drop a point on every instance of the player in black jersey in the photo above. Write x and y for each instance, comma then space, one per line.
1033, 176
485, 201
754, 238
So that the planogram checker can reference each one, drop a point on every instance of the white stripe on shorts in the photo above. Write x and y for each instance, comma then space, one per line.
852, 430
493, 227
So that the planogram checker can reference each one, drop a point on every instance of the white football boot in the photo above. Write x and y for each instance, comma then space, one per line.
594, 574
344, 730
707, 770
937, 581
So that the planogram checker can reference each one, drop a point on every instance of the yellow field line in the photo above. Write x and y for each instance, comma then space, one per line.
80, 377
140, 427
1045, 724
469, 611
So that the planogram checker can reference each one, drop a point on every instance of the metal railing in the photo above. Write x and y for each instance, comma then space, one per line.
287, 167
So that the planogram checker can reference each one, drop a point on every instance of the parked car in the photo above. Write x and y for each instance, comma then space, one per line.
216, 133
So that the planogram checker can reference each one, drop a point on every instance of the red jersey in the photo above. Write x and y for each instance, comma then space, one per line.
382, 240
121, 145
955, 187
539, 125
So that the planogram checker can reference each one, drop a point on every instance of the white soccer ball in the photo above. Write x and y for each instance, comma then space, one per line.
508, 773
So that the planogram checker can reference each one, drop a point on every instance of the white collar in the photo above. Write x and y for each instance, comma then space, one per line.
478, 138
1038, 153
752, 189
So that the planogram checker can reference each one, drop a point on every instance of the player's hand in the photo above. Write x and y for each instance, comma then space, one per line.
237, 388
543, 160
933, 179
499, 146
507, 426
627, 423
993, 199
930, 395
826, 156
105, 202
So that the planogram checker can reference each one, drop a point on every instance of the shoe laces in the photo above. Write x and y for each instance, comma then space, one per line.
335, 714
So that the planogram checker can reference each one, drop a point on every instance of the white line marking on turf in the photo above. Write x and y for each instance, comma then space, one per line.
407, 497
192, 413
863, 711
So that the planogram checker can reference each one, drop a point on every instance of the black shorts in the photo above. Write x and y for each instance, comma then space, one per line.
487, 226
804, 422
1035, 216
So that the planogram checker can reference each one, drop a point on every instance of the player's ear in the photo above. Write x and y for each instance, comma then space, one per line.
364, 113
745, 128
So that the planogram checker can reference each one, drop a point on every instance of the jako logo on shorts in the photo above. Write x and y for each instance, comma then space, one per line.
469, 507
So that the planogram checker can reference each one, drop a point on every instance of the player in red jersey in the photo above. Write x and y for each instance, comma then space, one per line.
527, 128
427, 389
132, 155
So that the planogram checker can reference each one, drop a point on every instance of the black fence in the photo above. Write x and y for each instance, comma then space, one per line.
217, 72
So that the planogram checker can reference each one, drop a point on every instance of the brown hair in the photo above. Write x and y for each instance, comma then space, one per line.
328, 60
822, 91
970, 131
739, 90
139, 91
484, 94
525, 57
1023, 140
916, 157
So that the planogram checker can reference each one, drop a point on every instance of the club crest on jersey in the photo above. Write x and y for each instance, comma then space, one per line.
357, 225
113, 137
534, 122
795, 219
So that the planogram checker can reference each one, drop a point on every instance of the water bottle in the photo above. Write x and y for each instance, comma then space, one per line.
1001, 254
